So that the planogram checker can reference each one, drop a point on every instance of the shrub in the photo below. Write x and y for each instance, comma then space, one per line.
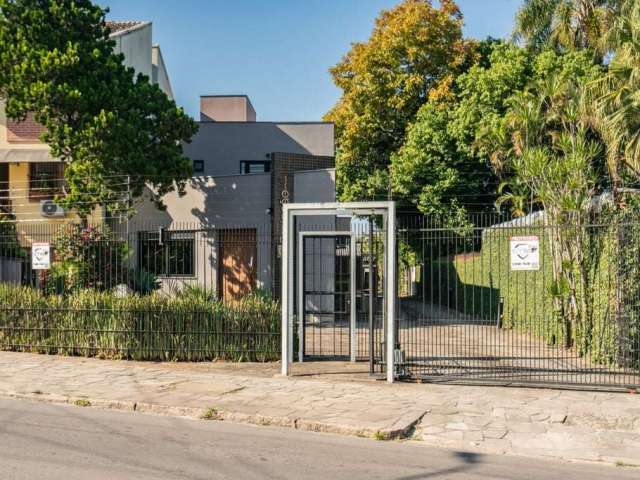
151, 327
87, 257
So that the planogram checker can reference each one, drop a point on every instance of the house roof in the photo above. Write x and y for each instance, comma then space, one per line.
118, 27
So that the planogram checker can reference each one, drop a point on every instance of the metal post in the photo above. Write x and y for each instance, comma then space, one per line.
391, 291
301, 298
285, 291
371, 279
352, 297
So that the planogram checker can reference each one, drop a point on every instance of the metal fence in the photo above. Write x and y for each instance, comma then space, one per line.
520, 301
147, 291
487, 300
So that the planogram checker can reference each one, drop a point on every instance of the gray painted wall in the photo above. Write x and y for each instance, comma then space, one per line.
136, 46
237, 201
223, 145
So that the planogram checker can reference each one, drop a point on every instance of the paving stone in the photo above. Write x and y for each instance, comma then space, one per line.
540, 423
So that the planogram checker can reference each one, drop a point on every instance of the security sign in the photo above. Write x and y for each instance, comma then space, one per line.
525, 253
40, 256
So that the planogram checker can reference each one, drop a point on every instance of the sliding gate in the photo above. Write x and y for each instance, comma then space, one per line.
481, 303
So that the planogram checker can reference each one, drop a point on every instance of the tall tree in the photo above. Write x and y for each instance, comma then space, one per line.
384, 82
565, 24
550, 147
103, 121
443, 167
616, 95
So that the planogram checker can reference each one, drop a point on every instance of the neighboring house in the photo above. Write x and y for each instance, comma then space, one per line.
224, 232
28, 174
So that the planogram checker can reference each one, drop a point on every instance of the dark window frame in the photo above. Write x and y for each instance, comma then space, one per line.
158, 257
198, 166
245, 166
46, 180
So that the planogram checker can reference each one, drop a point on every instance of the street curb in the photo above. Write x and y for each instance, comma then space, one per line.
401, 428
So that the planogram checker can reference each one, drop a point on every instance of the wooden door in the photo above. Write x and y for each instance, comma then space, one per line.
238, 258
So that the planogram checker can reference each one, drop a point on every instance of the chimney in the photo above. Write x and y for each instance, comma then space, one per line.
226, 108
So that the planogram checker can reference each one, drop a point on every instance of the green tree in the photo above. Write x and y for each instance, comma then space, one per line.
384, 82
550, 147
616, 96
565, 25
103, 122
442, 166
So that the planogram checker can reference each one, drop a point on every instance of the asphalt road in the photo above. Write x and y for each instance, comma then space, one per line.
68, 442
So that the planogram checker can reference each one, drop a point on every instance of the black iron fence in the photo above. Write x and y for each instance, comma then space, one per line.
147, 291
520, 301
491, 299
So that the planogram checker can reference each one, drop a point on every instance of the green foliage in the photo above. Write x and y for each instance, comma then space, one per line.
87, 257
384, 82
443, 168
566, 25
150, 327
615, 96
143, 282
57, 61
475, 284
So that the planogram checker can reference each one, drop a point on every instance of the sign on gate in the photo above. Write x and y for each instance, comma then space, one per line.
525, 253
40, 256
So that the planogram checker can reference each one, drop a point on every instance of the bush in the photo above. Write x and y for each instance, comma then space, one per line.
150, 327
476, 283
87, 257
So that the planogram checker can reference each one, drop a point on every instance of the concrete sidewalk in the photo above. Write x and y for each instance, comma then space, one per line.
569, 425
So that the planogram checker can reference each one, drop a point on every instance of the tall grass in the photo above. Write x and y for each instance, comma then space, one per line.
189, 327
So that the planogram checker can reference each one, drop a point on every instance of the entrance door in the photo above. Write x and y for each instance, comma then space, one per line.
326, 301
237, 265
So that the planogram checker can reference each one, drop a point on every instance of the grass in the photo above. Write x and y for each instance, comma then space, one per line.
82, 402
189, 327
209, 414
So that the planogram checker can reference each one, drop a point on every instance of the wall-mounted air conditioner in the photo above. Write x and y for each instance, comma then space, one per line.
49, 208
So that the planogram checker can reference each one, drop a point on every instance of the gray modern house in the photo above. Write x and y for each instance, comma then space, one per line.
224, 233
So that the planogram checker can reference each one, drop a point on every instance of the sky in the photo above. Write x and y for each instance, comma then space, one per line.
278, 52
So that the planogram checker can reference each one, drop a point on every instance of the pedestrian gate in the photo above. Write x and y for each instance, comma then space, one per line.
338, 285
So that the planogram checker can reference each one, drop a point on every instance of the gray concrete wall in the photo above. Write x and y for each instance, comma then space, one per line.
226, 108
223, 145
213, 204
160, 74
313, 186
136, 46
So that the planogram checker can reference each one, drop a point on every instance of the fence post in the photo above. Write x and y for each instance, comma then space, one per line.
391, 290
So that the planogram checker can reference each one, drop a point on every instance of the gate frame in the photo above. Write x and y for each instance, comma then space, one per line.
352, 289
292, 210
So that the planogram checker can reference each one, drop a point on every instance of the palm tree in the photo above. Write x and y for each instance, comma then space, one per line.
565, 24
617, 115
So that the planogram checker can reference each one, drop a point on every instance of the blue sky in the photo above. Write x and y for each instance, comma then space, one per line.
276, 51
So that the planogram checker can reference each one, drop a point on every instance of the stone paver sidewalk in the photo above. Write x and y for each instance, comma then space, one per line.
569, 425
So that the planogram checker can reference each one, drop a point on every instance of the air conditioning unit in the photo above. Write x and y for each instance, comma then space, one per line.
49, 208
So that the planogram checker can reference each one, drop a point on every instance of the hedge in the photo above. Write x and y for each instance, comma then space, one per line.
188, 327
475, 283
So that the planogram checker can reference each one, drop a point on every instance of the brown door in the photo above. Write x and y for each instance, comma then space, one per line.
238, 258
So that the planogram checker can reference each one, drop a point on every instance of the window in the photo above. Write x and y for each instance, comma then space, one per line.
198, 166
174, 256
46, 180
254, 166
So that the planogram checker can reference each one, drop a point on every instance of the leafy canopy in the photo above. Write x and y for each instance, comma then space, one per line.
442, 167
566, 25
103, 121
384, 82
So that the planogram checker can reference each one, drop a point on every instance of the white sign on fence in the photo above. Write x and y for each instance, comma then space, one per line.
40, 256
525, 253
